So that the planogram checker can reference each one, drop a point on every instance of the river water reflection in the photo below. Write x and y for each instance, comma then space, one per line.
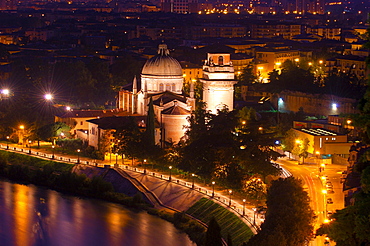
30, 215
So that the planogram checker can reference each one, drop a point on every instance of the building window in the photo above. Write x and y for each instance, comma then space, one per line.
173, 87
81, 123
168, 87
220, 60
160, 87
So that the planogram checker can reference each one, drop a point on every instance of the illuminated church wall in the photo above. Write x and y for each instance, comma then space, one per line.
174, 126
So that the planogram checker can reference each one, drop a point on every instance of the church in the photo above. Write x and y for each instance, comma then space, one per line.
162, 80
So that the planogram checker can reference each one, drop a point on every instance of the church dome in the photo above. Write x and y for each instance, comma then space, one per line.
162, 64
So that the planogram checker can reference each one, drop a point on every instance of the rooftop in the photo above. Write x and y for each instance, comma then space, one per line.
319, 132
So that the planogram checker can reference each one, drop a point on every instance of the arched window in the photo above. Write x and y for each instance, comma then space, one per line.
168, 87
173, 87
220, 60
160, 87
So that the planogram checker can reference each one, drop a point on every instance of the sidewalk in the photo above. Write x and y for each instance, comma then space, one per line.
172, 192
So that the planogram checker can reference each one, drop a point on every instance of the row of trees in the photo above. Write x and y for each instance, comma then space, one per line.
230, 147
311, 80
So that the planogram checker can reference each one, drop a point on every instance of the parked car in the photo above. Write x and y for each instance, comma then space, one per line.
330, 190
329, 201
329, 184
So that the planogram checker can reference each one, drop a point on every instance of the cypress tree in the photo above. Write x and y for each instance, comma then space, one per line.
150, 124
213, 234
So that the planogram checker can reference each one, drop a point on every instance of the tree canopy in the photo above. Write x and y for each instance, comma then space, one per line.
289, 217
228, 146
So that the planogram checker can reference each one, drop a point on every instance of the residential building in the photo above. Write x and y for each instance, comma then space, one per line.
271, 29
103, 129
77, 119
323, 141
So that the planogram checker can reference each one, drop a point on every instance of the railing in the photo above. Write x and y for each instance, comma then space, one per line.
246, 214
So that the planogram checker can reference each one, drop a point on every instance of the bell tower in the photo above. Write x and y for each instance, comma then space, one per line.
218, 82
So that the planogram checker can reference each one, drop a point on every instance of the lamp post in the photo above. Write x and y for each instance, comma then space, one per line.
7, 142
230, 192
144, 164
325, 203
116, 158
78, 156
21, 127
244, 206
53, 147
279, 103
29, 145
213, 188
192, 185
254, 216
169, 179
298, 142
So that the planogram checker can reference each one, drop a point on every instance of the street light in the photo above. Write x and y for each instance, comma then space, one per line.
213, 188
78, 156
325, 203
48, 96
192, 185
7, 142
322, 167
298, 142
244, 206
116, 158
230, 192
280, 103
144, 162
169, 179
254, 216
29, 145
21, 127
53, 147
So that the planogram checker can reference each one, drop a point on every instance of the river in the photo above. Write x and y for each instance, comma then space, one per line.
34, 216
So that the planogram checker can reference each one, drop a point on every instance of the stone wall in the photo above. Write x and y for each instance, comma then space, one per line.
120, 184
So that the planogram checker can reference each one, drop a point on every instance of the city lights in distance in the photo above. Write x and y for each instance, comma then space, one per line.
334, 106
5, 92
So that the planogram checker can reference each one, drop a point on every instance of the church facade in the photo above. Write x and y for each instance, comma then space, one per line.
162, 80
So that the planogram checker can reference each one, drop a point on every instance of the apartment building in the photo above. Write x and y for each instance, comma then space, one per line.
270, 29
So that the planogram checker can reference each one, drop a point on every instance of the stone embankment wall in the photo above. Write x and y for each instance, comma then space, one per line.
120, 184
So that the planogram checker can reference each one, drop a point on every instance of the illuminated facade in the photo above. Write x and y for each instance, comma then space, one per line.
271, 29
179, 6
162, 81
272, 58
218, 82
